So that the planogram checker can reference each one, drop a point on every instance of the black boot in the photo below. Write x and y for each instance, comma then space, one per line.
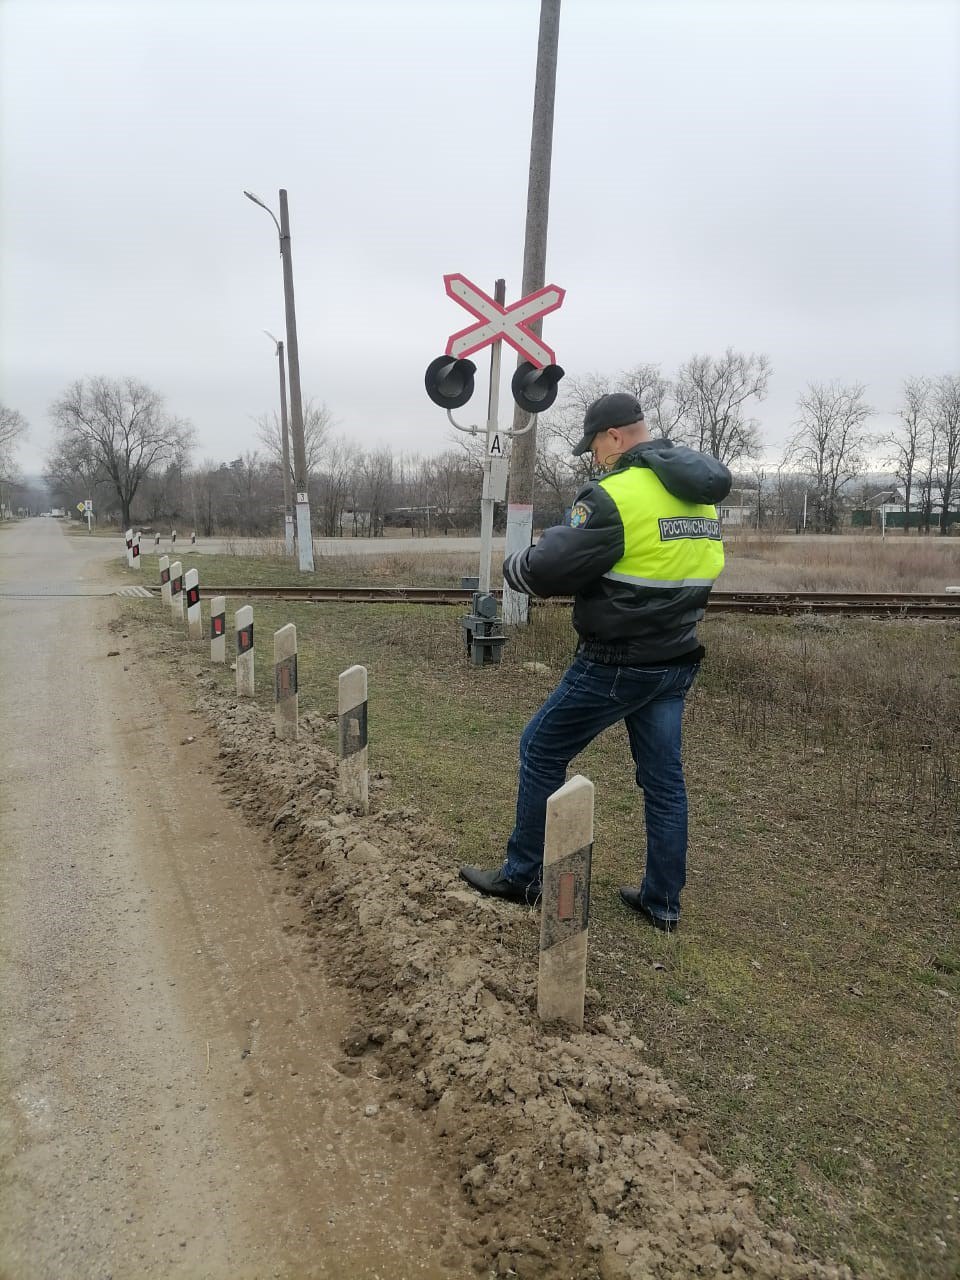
631, 898
496, 885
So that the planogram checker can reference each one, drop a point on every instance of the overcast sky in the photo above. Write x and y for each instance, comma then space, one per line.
780, 177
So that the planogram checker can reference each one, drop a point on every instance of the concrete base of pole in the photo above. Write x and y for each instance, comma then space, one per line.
286, 698
565, 906
352, 708
519, 537
245, 673
218, 629
304, 537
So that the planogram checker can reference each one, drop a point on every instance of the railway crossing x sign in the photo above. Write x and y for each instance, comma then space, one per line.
509, 323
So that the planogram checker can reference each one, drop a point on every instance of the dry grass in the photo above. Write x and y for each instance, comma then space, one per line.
835, 564
754, 563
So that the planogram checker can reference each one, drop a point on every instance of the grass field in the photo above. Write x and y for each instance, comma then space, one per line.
809, 1004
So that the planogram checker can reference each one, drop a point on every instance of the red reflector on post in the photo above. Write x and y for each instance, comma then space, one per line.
565, 895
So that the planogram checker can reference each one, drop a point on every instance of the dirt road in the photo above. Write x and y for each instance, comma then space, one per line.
174, 1100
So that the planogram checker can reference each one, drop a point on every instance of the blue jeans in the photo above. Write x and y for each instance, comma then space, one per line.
591, 697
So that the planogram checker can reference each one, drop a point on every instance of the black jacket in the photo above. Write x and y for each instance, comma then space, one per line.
620, 622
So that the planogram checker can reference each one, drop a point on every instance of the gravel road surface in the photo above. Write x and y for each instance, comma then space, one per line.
174, 1100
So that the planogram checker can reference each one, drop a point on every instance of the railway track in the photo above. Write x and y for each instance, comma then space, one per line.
883, 604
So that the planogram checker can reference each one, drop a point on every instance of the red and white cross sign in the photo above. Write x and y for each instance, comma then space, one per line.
510, 323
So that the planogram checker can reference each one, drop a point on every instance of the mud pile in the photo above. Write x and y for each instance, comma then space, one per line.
576, 1157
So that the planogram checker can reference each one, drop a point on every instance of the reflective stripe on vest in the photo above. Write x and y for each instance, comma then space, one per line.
667, 543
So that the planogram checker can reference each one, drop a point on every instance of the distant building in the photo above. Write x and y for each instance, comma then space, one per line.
739, 509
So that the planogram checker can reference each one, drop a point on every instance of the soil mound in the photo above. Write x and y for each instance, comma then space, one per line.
577, 1158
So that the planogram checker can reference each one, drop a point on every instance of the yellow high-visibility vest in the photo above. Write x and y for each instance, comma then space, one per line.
666, 542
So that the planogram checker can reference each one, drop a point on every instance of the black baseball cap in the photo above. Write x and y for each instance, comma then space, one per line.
618, 409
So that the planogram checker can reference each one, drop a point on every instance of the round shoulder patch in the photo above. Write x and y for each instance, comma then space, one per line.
579, 515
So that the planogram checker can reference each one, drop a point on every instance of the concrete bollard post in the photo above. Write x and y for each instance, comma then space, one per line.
176, 591
135, 550
194, 621
128, 539
565, 906
173, 538
352, 709
156, 543
243, 620
286, 700
218, 629
165, 580
193, 538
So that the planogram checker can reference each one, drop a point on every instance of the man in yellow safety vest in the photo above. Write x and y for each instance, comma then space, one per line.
640, 554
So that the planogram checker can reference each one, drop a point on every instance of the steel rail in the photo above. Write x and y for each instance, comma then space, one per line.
900, 604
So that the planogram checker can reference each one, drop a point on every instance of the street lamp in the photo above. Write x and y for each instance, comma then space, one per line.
284, 449
304, 536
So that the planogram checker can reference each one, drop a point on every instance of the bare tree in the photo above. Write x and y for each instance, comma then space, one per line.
945, 412
662, 411
333, 485
830, 445
377, 488
13, 427
907, 444
452, 484
317, 424
558, 475
788, 495
711, 397
121, 425
74, 472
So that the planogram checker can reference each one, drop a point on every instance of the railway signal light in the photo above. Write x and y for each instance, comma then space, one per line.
449, 382
535, 389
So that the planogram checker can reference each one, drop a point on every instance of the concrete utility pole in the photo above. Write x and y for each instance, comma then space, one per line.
524, 451
304, 536
284, 450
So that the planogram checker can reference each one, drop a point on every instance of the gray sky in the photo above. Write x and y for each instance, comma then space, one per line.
780, 176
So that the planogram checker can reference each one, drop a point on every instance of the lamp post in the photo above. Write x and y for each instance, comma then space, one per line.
284, 450
304, 536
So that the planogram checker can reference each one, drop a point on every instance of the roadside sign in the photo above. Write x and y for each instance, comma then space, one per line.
302, 497
495, 322
495, 445
81, 506
88, 505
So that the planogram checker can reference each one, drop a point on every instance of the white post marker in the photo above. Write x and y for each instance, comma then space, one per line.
285, 697
243, 621
173, 538
176, 591
565, 906
135, 550
218, 629
128, 539
165, 579
194, 621
156, 542
352, 708
193, 538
